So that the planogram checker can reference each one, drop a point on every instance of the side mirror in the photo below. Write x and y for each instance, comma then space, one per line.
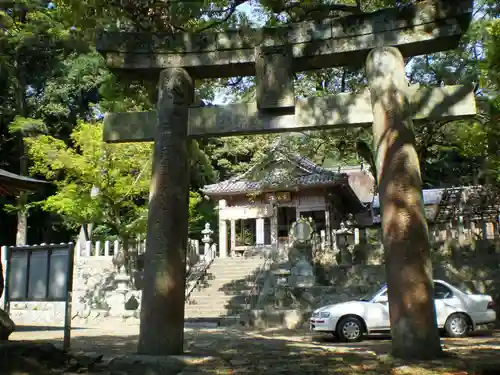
381, 299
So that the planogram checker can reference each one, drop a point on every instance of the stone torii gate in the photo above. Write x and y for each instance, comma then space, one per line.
381, 39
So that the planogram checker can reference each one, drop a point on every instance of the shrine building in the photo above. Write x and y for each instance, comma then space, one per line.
258, 207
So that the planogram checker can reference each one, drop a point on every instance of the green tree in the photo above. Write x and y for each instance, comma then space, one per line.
49, 79
120, 173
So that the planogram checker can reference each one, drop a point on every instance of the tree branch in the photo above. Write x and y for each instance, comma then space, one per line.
229, 12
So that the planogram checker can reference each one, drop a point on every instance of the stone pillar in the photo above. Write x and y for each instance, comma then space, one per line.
484, 229
274, 228
259, 229
404, 226
233, 236
222, 231
363, 238
328, 231
460, 230
223, 251
163, 296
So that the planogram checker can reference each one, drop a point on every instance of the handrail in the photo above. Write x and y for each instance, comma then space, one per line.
250, 294
205, 262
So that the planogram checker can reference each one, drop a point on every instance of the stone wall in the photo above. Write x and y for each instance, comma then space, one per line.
95, 293
474, 267
94, 297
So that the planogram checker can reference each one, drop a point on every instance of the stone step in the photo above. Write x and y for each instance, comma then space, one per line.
237, 266
223, 290
242, 264
220, 306
226, 288
223, 271
218, 298
210, 313
222, 276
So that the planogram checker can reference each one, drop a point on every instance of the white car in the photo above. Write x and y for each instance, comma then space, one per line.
457, 313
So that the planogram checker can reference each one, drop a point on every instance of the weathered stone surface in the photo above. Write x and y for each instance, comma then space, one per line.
163, 295
274, 78
289, 319
471, 267
342, 110
342, 41
149, 365
302, 274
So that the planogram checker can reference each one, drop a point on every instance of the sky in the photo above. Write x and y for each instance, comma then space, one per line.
221, 96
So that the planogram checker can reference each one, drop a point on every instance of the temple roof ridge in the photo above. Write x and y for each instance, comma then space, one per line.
314, 173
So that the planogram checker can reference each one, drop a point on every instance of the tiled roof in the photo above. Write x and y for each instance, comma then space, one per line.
240, 186
313, 175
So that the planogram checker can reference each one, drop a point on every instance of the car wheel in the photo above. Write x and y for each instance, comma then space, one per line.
350, 329
457, 325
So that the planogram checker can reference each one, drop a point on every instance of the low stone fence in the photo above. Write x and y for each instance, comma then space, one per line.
475, 268
94, 288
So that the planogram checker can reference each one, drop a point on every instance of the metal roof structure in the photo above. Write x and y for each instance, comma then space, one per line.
13, 184
472, 203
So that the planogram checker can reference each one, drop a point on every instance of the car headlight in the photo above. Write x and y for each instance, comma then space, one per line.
325, 314
315, 315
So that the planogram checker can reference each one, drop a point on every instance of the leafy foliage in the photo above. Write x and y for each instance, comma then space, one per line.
51, 46
121, 174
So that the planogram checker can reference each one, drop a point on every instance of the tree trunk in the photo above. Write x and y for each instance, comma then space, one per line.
404, 226
162, 307
22, 110
22, 220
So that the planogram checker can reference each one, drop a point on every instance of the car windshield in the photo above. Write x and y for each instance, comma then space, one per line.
369, 296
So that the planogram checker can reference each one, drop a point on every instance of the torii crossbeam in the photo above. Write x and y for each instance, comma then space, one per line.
381, 40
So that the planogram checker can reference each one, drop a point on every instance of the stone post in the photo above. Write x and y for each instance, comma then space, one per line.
162, 307
484, 229
328, 232
259, 229
233, 236
363, 240
222, 230
404, 226
274, 228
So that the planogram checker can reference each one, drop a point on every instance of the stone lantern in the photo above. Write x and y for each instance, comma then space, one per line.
345, 242
207, 239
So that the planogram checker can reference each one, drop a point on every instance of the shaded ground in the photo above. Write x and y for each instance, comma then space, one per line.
243, 351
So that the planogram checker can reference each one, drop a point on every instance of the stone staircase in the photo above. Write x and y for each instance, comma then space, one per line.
223, 291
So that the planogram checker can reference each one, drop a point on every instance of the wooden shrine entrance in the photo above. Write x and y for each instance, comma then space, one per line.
381, 39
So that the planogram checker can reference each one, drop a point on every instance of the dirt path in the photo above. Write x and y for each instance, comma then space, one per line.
284, 352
